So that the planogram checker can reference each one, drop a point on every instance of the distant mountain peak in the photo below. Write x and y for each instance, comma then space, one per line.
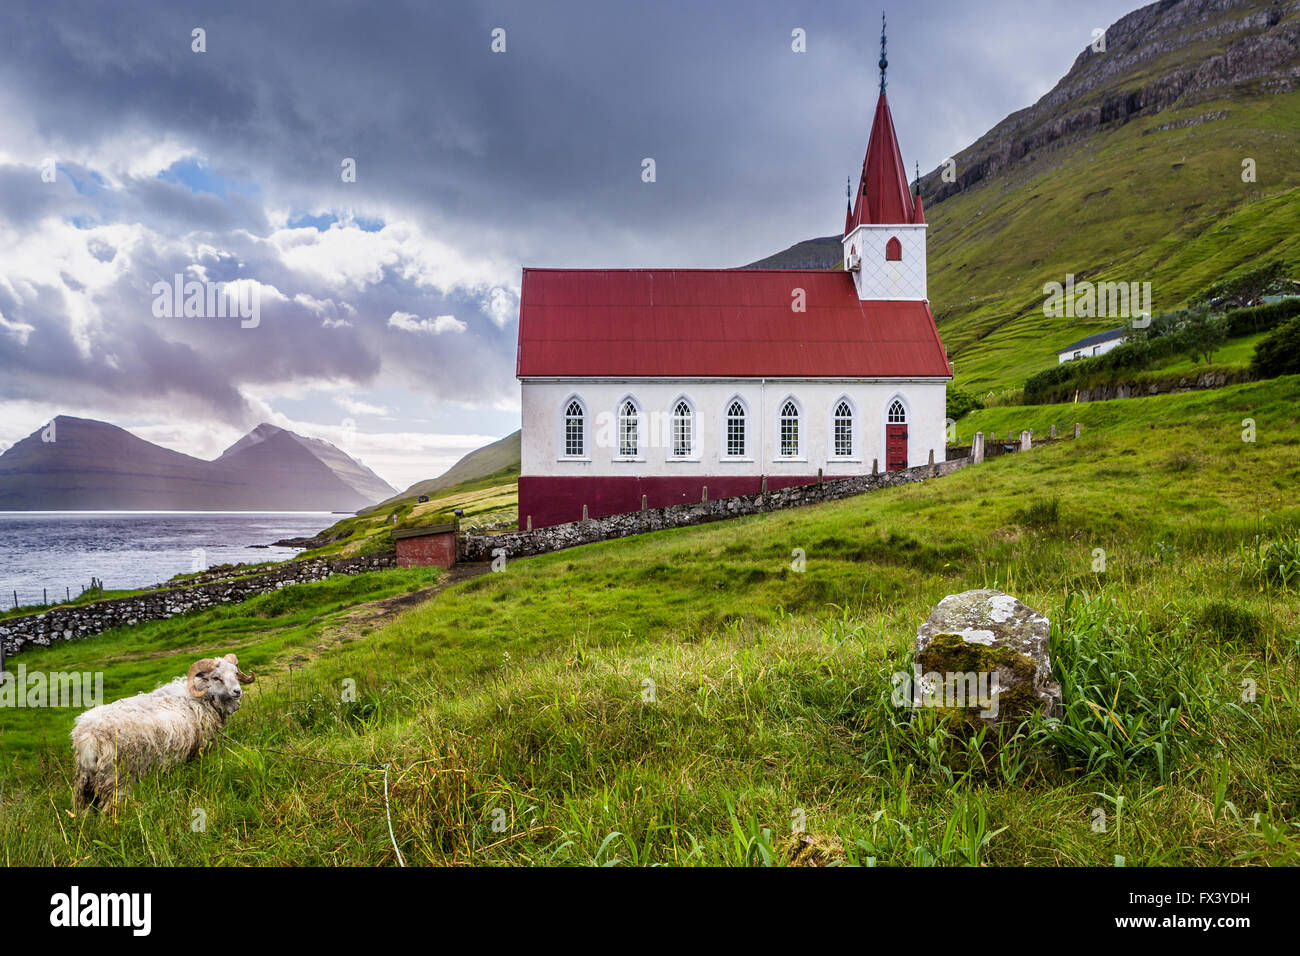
97, 465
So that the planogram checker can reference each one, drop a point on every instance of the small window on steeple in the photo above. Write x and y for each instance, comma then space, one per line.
893, 250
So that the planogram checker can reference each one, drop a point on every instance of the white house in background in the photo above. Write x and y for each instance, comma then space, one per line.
657, 387
1098, 344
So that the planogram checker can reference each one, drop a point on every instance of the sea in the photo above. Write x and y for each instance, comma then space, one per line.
48, 555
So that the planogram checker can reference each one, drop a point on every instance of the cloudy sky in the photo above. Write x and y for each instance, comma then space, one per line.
387, 305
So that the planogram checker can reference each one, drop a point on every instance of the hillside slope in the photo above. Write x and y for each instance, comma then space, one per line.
479, 464
1130, 169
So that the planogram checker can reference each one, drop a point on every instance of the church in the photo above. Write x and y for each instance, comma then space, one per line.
655, 387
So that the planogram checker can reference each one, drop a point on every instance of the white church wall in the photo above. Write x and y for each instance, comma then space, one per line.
879, 278
544, 401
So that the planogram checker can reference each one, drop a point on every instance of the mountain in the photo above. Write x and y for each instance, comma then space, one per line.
1132, 168
91, 465
824, 253
276, 449
480, 463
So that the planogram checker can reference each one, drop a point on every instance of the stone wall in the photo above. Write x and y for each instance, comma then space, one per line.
524, 543
65, 623
1164, 386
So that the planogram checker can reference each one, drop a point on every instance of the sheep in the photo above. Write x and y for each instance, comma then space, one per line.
120, 742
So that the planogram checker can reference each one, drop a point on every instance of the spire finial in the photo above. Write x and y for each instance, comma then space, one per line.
918, 177
848, 187
884, 61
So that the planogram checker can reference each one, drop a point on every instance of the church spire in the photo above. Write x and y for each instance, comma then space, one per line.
884, 61
884, 195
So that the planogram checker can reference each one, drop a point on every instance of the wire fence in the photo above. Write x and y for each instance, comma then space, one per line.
388, 812
47, 596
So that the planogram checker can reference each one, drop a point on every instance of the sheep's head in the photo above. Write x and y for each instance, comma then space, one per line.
217, 680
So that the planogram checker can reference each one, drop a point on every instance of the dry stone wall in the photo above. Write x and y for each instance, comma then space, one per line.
542, 540
66, 623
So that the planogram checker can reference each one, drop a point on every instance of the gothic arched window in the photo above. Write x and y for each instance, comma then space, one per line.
683, 429
843, 430
629, 421
893, 250
789, 429
574, 429
736, 430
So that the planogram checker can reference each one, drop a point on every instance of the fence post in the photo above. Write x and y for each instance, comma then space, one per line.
704, 494
875, 466
1052, 433
584, 512
1078, 429
977, 448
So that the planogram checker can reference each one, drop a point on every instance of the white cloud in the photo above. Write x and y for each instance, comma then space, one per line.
17, 330
437, 326
356, 407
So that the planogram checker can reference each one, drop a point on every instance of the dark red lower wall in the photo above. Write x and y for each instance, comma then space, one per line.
427, 551
555, 500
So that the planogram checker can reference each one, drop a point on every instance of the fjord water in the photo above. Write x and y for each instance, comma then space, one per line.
58, 550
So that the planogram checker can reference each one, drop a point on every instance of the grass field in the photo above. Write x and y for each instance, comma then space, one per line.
688, 697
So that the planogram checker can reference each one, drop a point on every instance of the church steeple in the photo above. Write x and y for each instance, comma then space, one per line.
884, 194
884, 232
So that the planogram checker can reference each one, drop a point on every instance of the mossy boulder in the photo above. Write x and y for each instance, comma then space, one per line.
983, 655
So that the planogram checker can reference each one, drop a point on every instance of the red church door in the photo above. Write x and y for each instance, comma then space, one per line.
895, 447
896, 436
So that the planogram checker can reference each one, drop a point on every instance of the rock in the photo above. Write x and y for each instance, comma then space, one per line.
974, 636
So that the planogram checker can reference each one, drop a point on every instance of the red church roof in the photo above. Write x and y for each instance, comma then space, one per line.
730, 323
883, 195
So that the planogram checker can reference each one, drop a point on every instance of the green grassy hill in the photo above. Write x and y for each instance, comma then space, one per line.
682, 697
1168, 208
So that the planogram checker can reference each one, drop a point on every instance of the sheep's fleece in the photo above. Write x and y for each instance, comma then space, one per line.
119, 742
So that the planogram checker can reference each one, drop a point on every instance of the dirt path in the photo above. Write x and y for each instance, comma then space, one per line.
359, 621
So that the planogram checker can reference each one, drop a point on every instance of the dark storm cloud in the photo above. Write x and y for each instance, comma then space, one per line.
529, 157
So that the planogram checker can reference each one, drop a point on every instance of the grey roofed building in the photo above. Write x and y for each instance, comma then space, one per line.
1097, 339
1092, 345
